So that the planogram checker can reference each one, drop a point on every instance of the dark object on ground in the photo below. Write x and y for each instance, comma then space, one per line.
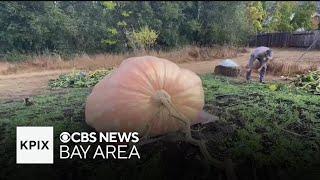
28, 102
227, 68
227, 71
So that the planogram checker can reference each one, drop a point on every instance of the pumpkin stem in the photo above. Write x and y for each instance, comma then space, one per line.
163, 98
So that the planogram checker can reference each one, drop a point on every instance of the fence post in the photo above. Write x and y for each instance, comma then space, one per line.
256, 42
317, 43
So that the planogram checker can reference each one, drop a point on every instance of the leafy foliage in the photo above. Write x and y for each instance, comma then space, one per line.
273, 87
256, 15
66, 27
309, 82
79, 79
226, 21
143, 39
302, 15
288, 16
284, 12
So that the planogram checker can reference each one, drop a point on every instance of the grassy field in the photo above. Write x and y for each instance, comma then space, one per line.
267, 132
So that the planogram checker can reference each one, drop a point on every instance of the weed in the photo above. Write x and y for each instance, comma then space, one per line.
309, 82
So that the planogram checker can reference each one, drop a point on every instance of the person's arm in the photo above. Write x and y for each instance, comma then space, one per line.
269, 54
266, 57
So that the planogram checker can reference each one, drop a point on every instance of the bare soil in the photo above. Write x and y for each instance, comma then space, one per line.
19, 86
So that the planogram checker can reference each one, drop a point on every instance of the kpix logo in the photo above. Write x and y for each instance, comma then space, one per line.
34, 145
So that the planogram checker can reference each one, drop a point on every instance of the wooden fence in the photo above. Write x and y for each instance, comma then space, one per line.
296, 39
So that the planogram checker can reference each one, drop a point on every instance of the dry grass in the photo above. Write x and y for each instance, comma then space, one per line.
284, 63
98, 61
288, 68
40, 63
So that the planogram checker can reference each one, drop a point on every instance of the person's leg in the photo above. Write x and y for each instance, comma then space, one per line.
250, 67
248, 75
263, 73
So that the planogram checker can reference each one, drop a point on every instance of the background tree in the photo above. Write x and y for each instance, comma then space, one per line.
288, 16
303, 14
282, 17
68, 27
256, 15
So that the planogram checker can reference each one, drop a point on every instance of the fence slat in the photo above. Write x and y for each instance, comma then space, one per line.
284, 39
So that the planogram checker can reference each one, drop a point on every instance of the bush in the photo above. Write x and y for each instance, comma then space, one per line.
143, 39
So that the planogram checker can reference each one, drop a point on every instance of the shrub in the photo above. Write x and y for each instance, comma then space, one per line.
143, 39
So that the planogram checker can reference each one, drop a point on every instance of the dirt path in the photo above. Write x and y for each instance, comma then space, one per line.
19, 86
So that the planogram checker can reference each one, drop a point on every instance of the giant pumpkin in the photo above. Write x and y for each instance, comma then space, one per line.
145, 94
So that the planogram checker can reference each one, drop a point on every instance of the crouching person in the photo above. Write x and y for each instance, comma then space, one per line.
263, 55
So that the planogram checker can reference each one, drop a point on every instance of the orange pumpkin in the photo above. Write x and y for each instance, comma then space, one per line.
145, 92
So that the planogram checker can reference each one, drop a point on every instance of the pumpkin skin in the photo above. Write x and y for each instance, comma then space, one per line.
127, 100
